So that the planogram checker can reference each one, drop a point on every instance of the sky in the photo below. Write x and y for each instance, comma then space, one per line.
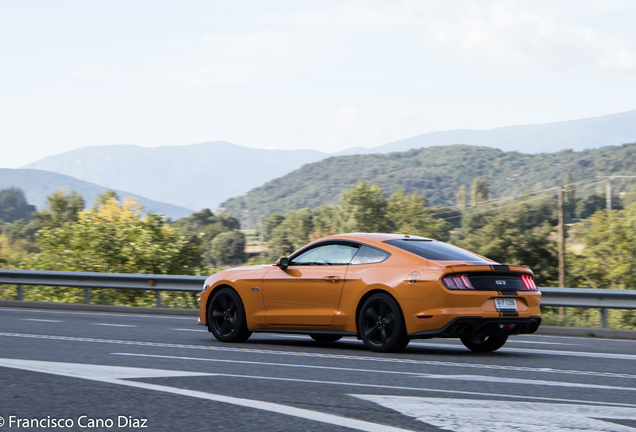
324, 75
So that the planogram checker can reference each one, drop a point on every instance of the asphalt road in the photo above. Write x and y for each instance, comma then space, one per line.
168, 374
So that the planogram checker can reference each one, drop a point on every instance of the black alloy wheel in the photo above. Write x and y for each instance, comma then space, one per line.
325, 338
484, 343
381, 324
226, 317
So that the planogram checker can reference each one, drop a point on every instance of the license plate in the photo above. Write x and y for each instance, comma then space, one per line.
506, 303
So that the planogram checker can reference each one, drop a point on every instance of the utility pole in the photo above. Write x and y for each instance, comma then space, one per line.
608, 194
561, 246
260, 235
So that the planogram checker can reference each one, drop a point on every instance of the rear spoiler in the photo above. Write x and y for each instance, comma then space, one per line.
459, 268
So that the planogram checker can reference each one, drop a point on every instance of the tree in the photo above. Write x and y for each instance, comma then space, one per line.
461, 198
62, 208
501, 240
293, 232
14, 206
362, 209
105, 197
20, 230
409, 214
115, 238
270, 223
228, 248
593, 203
609, 256
478, 192
204, 227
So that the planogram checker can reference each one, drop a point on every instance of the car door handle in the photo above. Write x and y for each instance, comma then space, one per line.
332, 278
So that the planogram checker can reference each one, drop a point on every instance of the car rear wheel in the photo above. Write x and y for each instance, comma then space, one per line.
226, 317
484, 343
381, 324
325, 338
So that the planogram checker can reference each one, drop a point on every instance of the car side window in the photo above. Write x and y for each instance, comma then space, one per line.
368, 255
331, 254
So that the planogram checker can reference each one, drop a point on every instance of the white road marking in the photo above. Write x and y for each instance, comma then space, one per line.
192, 330
113, 375
113, 325
481, 378
578, 338
39, 320
110, 314
421, 343
320, 355
544, 351
509, 342
504, 380
81, 370
470, 415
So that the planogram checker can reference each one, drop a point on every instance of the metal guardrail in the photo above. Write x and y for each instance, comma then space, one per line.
602, 299
89, 280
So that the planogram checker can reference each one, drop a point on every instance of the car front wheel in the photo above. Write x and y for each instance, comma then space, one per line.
226, 317
484, 343
381, 324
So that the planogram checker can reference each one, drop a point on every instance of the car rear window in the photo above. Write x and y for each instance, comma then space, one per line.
436, 251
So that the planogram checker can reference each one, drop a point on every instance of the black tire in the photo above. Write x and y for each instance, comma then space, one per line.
226, 317
381, 324
484, 343
325, 338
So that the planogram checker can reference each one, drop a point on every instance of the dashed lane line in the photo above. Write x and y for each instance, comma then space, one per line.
110, 314
317, 355
480, 378
112, 325
40, 320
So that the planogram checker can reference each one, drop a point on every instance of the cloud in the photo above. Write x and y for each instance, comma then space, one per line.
505, 35
274, 46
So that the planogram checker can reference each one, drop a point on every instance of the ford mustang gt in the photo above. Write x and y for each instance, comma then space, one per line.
384, 289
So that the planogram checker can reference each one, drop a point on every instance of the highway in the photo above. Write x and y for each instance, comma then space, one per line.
165, 373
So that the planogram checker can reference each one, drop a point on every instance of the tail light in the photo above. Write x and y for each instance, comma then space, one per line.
528, 282
458, 282
489, 281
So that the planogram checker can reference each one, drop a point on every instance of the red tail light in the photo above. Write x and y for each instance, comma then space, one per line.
528, 282
457, 282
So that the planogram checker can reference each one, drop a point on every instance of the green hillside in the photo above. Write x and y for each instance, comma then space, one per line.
434, 172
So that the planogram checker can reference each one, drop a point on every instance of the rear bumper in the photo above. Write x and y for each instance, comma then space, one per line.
478, 326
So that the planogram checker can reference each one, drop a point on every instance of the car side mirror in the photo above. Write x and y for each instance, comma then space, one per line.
283, 263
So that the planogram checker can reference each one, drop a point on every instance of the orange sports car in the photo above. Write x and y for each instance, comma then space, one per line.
385, 289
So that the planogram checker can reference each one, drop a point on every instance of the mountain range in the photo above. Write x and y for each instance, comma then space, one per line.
38, 184
437, 173
194, 176
581, 134
205, 175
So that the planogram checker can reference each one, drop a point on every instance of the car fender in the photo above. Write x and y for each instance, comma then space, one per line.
247, 282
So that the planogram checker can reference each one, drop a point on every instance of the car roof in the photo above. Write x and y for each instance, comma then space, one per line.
374, 239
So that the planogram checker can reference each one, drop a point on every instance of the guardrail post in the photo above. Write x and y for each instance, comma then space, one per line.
87, 296
604, 318
20, 295
158, 299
